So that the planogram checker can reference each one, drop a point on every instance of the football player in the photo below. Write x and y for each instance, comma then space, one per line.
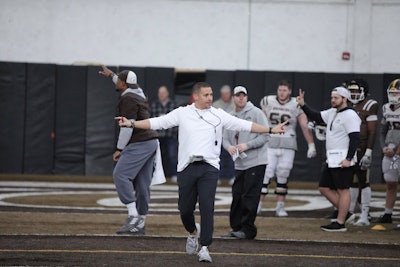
281, 148
390, 140
367, 110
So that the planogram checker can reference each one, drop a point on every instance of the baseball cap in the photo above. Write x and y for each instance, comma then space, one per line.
131, 78
239, 89
341, 91
128, 76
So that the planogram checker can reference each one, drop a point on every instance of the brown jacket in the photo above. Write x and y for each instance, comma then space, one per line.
133, 106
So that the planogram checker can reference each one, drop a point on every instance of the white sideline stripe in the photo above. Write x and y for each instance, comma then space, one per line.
27, 185
313, 199
313, 203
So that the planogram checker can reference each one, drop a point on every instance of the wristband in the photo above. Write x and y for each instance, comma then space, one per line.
270, 130
132, 125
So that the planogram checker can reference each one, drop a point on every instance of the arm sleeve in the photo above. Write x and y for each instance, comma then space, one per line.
166, 121
233, 123
312, 114
261, 139
226, 139
127, 108
125, 135
384, 129
382, 134
372, 122
115, 78
353, 144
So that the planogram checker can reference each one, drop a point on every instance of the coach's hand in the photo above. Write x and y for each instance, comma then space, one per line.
300, 98
345, 163
116, 155
106, 71
124, 122
280, 127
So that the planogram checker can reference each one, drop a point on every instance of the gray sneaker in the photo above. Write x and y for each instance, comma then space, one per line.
192, 242
228, 234
239, 234
204, 255
133, 226
350, 217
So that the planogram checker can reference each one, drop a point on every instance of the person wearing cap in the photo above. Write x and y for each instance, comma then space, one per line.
249, 152
134, 154
342, 140
199, 148
282, 148
226, 103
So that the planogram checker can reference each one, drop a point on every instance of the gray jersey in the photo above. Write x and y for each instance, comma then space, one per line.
277, 113
391, 119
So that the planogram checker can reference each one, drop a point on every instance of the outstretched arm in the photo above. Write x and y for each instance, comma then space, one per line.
106, 71
124, 122
258, 128
312, 114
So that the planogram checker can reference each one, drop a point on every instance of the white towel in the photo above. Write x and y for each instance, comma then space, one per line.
158, 172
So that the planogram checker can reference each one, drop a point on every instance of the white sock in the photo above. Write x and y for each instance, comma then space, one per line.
365, 202
353, 198
388, 211
280, 204
132, 211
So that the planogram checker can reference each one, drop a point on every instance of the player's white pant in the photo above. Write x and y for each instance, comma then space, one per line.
280, 163
390, 174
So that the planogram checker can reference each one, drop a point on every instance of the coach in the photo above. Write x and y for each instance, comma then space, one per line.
342, 139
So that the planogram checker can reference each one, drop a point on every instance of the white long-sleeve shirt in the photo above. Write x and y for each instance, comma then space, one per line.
200, 132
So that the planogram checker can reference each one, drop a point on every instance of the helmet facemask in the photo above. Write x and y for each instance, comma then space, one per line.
357, 93
320, 132
393, 92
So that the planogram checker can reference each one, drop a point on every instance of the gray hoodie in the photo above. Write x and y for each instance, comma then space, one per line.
256, 143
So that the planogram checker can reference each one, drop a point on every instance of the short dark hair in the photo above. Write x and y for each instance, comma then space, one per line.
197, 87
285, 83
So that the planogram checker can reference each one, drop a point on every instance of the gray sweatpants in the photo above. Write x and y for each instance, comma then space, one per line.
133, 173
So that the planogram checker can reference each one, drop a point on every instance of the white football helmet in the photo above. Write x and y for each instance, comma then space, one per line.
357, 90
393, 92
320, 130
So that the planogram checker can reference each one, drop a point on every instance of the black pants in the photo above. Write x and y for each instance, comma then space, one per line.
198, 181
245, 197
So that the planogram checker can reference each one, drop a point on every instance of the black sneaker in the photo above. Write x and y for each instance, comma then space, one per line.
386, 218
334, 227
333, 215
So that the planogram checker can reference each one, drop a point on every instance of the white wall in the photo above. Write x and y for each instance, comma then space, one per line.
286, 35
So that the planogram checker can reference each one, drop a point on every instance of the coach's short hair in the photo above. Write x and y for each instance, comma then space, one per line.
198, 86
